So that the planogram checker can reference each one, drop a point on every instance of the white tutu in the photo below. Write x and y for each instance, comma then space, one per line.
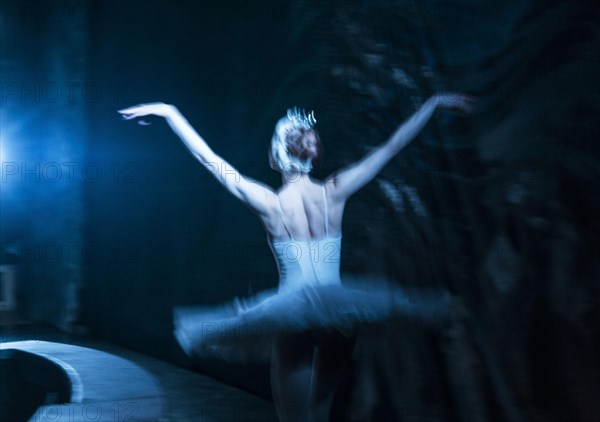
243, 330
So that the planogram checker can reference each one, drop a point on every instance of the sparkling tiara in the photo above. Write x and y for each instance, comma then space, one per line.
299, 118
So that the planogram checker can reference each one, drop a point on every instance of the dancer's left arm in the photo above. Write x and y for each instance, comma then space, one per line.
257, 196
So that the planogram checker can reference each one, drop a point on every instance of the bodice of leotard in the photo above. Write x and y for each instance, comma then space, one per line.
313, 261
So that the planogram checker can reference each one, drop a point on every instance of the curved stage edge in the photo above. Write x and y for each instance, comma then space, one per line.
46, 381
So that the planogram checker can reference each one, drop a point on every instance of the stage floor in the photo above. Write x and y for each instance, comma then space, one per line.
189, 396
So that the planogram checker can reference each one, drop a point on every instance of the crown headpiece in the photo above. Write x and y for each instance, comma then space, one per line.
299, 118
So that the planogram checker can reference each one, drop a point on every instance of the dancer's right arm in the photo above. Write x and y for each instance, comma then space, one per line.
257, 196
348, 180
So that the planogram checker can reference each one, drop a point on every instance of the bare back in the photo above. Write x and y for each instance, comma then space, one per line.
303, 209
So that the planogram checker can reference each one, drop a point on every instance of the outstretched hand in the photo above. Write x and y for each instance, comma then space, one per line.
149, 109
452, 100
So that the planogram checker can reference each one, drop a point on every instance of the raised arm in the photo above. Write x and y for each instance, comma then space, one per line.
348, 180
257, 196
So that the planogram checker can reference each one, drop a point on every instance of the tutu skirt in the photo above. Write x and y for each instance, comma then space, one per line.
243, 330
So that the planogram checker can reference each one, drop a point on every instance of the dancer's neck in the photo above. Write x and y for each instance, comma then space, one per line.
296, 179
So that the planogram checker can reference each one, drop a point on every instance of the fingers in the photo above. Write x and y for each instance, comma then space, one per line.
455, 98
128, 116
128, 109
128, 113
158, 109
137, 108
462, 102
469, 103
133, 112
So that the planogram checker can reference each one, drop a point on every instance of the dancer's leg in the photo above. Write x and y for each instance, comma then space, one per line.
332, 356
291, 373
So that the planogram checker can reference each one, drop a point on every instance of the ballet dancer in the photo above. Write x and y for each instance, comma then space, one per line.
309, 321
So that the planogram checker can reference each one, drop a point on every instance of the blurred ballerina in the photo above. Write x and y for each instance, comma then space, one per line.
307, 325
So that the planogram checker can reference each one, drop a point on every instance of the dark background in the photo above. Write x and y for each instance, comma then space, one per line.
111, 224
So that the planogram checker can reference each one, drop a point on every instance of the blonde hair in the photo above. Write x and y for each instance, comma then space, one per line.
285, 154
